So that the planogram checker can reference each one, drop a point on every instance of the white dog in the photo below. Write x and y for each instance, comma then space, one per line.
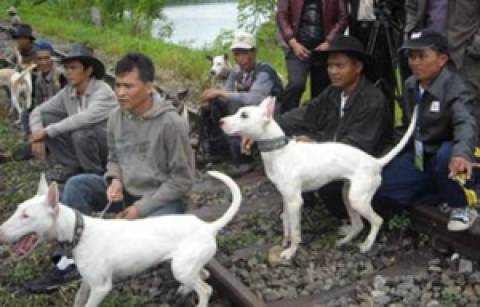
220, 69
21, 89
295, 167
111, 249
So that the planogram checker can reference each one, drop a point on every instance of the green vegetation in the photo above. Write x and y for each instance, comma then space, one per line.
116, 39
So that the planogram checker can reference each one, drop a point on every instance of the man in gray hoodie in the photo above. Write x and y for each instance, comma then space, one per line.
150, 163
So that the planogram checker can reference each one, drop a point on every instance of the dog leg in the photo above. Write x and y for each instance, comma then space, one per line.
98, 293
361, 198
188, 267
355, 219
294, 212
82, 295
286, 229
204, 274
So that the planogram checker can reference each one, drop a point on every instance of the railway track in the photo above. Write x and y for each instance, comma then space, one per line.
426, 220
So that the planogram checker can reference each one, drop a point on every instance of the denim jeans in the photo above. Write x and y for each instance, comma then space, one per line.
87, 194
403, 185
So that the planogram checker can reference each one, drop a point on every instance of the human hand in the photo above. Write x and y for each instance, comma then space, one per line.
459, 165
303, 139
130, 213
323, 46
246, 146
38, 135
299, 50
115, 191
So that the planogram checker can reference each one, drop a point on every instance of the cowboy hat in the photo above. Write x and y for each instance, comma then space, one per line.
83, 54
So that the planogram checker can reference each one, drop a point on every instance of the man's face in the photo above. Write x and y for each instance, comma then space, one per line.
132, 93
24, 43
343, 71
426, 64
43, 59
244, 58
76, 74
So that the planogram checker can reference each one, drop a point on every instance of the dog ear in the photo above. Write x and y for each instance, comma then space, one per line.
42, 185
53, 195
209, 57
268, 105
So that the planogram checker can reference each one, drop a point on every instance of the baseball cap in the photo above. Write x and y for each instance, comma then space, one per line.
243, 41
427, 39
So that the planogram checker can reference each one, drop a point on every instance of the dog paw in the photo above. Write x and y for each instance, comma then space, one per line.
365, 247
287, 255
344, 230
341, 242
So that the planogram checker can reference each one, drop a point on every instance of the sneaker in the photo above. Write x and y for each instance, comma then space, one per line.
54, 279
461, 219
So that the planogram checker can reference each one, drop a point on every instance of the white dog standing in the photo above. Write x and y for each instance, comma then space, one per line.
109, 249
295, 167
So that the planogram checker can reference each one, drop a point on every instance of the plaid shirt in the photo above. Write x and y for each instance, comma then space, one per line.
46, 86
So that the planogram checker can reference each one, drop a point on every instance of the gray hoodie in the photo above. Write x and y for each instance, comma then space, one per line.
151, 155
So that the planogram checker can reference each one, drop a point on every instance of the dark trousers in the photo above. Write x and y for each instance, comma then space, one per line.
83, 150
298, 72
87, 194
220, 143
403, 185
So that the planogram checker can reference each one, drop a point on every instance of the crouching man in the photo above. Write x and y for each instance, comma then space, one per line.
70, 128
150, 163
442, 148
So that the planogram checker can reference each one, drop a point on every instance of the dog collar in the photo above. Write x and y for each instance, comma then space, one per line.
77, 232
272, 144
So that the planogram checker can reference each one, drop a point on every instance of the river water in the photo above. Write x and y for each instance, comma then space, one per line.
198, 23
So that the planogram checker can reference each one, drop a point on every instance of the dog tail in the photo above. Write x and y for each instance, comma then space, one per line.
404, 140
236, 200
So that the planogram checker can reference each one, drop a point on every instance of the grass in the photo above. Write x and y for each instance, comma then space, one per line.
186, 63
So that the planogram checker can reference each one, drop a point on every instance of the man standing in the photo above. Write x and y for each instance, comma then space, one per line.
69, 128
441, 152
248, 85
307, 27
150, 163
460, 20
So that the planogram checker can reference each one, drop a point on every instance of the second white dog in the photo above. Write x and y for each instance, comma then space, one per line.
111, 249
295, 167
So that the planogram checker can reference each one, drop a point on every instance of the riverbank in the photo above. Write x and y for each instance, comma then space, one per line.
182, 63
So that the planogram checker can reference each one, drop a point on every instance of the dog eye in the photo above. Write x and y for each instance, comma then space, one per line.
243, 115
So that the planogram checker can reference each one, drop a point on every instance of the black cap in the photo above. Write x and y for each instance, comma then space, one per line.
427, 39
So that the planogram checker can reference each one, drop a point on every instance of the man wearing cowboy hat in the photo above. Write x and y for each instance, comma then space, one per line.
69, 128
441, 151
249, 84
24, 39
351, 110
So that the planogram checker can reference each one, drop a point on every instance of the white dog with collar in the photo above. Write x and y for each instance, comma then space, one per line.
109, 249
296, 167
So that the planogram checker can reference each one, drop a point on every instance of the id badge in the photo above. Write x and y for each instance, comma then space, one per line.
419, 155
